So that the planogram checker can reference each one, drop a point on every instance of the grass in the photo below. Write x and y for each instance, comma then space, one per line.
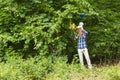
76, 73
47, 69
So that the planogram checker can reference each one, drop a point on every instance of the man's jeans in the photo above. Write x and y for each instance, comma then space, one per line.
85, 52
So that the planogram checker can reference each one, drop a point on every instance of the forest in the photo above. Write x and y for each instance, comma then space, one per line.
37, 42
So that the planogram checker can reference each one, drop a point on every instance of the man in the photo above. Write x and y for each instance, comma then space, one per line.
82, 46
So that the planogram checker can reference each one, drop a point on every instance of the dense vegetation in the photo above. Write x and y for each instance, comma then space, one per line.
18, 69
37, 33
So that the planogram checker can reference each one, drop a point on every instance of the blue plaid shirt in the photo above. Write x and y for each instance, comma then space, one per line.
81, 43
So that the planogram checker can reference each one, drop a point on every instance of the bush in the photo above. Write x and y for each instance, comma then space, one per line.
53, 68
30, 69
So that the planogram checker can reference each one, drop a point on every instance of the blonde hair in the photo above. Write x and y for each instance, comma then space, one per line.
73, 26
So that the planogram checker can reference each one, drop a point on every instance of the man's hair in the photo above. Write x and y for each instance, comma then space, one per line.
81, 23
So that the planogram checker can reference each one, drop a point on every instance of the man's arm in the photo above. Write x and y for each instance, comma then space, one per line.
84, 33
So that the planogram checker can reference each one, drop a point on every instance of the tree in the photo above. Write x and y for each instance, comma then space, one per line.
32, 27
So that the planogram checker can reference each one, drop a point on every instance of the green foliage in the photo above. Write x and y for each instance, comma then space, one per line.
52, 68
32, 27
36, 27
33, 68
36, 41
104, 32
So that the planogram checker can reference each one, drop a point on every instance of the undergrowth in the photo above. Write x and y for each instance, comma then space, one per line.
53, 68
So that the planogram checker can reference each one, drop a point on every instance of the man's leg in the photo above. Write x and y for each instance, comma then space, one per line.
87, 58
80, 53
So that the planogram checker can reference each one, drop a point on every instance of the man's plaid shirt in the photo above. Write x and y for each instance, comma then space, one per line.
81, 43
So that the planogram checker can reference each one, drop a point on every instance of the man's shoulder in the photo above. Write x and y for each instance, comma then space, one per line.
85, 31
